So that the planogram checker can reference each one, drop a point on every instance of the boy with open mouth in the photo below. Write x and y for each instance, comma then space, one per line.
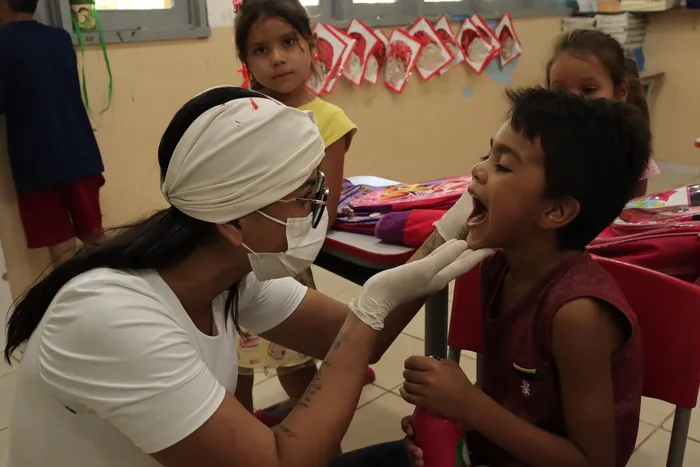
562, 377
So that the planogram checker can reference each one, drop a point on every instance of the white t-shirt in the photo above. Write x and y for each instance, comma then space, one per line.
118, 349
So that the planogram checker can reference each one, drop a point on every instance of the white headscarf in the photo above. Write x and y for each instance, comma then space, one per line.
240, 157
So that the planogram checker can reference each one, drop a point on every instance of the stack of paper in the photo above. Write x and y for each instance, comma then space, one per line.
648, 5
628, 28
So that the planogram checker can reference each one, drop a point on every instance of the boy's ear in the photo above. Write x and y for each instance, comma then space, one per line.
560, 213
622, 91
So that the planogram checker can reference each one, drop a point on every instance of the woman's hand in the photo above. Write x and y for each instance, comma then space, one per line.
389, 289
414, 452
441, 387
453, 224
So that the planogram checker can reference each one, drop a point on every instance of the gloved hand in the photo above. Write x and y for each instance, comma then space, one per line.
453, 224
393, 287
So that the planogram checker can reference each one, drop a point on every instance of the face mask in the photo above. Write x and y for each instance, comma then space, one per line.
303, 245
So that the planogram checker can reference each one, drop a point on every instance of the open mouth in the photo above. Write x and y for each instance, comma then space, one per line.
479, 213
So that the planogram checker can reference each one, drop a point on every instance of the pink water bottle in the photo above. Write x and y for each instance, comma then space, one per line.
440, 440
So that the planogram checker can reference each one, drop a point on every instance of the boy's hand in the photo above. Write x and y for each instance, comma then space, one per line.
414, 452
439, 386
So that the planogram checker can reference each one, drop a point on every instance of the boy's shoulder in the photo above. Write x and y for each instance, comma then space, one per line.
16, 31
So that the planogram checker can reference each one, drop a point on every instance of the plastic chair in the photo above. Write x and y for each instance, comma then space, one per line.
668, 312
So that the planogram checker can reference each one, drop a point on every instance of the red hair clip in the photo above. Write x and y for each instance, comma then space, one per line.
243, 70
237, 4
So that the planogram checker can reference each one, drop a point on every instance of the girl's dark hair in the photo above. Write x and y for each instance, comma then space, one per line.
609, 52
162, 240
289, 11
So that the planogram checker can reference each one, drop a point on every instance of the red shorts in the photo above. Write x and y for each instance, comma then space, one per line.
57, 214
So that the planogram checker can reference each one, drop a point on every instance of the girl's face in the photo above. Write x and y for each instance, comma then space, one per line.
278, 57
584, 76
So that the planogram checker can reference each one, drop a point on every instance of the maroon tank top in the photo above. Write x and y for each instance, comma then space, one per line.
520, 372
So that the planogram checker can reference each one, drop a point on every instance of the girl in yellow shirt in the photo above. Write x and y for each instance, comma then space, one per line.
275, 42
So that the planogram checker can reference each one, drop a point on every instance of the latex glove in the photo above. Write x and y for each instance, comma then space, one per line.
393, 287
453, 224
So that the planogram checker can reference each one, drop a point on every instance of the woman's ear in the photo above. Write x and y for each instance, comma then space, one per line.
232, 232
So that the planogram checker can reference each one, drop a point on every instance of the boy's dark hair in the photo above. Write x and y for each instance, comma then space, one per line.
23, 6
595, 151
611, 54
252, 11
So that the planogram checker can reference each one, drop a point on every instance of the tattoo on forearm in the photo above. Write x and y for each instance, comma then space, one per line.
286, 431
315, 386
434, 241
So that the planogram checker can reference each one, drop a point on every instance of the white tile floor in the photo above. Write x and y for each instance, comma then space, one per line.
380, 409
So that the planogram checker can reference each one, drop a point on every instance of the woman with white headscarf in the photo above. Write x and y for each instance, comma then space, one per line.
130, 356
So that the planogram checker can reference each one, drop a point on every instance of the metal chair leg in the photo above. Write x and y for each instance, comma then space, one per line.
436, 324
479, 366
679, 437
454, 354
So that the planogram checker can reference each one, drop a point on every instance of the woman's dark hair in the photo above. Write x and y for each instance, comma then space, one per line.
162, 240
609, 52
289, 11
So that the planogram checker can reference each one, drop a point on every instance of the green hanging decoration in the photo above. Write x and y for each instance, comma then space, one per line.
86, 18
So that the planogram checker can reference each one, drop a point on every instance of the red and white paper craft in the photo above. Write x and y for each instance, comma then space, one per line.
445, 32
477, 49
365, 41
401, 57
330, 50
349, 46
486, 31
377, 57
511, 48
434, 55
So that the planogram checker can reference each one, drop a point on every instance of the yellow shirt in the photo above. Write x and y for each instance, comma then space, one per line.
332, 121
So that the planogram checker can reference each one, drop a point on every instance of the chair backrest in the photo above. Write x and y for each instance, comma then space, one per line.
668, 312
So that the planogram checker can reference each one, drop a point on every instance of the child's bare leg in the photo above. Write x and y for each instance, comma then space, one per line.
62, 252
244, 391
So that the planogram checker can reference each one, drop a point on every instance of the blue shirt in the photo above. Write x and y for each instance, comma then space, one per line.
49, 137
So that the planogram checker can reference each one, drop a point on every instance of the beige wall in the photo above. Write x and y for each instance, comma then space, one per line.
431, 130
673, 46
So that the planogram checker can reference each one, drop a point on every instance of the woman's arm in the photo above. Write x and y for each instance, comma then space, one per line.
332, 166
233, 437
585, 335
321, 316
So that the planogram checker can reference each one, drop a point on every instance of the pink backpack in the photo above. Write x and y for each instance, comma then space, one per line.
660, 231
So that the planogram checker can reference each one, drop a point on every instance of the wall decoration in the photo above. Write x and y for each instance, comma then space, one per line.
330, 49
445, 32
486, 32
377, 58
434, 54
365, 42
402, 54
511, 48
345, 56
360, 53
478, 50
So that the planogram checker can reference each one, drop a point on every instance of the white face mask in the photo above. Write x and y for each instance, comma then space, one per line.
303, 245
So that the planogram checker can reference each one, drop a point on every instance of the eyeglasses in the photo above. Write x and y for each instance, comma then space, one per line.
319, 200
